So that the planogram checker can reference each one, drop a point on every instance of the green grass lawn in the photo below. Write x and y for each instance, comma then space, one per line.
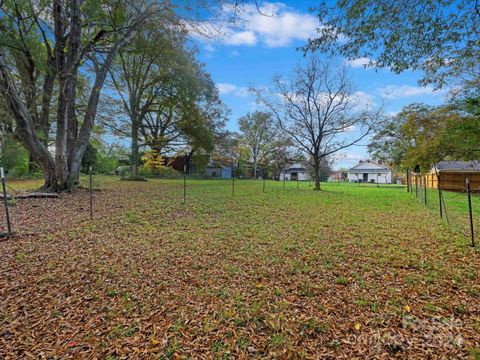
346, 272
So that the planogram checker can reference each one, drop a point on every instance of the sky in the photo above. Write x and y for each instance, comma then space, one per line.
252, 50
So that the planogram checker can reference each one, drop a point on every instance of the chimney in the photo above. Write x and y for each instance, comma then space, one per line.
380, 162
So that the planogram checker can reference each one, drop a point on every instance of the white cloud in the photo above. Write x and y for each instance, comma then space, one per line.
351, 156
209, 47
359, 63
363, 100
231, 89
392, 113
275, 25
241, 38
224, 88
349, 159
404, 91
242, 92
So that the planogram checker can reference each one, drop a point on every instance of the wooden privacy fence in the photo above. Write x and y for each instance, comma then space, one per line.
449, 181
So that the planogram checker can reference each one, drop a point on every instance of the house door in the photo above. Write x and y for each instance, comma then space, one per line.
365, 178
294, 176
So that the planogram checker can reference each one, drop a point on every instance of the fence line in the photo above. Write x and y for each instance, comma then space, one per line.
453, 181
462, 198
459, 209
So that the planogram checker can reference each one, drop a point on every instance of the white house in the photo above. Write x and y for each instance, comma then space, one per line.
370, 172
296, 172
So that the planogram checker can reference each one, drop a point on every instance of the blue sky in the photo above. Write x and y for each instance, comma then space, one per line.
255, 47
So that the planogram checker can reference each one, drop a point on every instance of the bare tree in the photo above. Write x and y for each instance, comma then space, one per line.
319, 110
258, 132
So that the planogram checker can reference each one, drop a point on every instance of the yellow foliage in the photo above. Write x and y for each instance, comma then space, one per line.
154, 341
153, 160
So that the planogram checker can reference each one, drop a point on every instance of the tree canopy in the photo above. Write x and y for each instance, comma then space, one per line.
422, 135
440, 38
259, 131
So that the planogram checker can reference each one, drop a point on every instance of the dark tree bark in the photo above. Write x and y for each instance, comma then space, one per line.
25, 127
61, 160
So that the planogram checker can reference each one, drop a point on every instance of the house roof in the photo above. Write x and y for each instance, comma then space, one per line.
369, 165
295, 168
459, 166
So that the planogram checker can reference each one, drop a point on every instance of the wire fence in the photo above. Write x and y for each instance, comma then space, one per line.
460, 209
89, 201
43, 212
459, 206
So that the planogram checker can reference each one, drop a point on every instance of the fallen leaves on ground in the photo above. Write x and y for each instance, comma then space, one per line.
285, 274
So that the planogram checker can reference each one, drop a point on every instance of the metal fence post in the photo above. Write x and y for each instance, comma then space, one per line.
408, 180
264, 183
416, 186
439, 196
445, 212
5, 202
284, 179
233, 181
467, 180
425, 189
91, 193
184, 183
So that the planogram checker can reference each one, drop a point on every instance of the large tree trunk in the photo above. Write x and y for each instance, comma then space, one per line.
48, 84
73, 58
25, 128
188, 161
316, 169
61, 157
67, 57
135, 150
76, 155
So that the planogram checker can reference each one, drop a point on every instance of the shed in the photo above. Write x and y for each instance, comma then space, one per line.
453, 174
